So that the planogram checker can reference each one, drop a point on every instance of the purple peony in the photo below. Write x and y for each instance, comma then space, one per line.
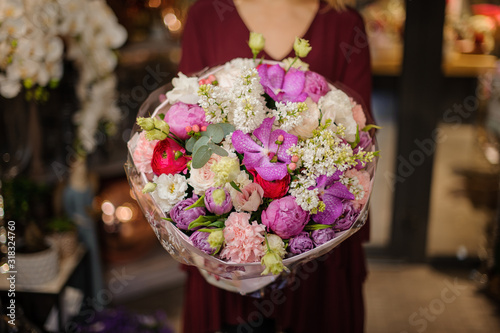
349, 215
301, 243
283, 86
181, 115
183, 217
315, 86
199, 239
285, 217
322, 236
218, 201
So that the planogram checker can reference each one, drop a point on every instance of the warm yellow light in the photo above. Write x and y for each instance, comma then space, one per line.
4, 268
124, 213
108, 208
175, 26
108, 219
154, 3
169, 19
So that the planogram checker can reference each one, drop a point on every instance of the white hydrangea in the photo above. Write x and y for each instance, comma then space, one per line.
170, 190
288, 115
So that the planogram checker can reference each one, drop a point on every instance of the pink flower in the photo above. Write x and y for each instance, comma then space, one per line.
204, 178
249, 199
143, 153
243, 240
315, 86
358, 114
285, 217
364, 181
181, 115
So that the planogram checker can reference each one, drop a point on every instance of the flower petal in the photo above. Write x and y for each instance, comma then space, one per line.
333, 209
243, 143
294, 81
340, 191
263, 132
276, 74
289, 141
272, 171
252, 160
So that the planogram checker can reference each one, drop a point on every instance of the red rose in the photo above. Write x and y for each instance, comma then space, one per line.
164, 158
275, 189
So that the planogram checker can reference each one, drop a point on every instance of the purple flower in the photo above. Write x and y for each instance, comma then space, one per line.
281, 85
260, 157
285, 217
331, 192
315, 86
349, 215
183, 217
321, 236
364, 142
181, 115
301, 243
218, 201
199, 239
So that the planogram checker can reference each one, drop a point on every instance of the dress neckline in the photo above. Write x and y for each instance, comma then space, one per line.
305, 35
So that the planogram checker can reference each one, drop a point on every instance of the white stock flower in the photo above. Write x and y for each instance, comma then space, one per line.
336, 105
170, 190
185, 90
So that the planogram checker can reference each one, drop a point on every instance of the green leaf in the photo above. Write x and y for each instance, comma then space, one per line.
236, 187
167, 219
161, 116
201, 157
203, 140
217, 149
367, 128
216, 132
199, 203
227, 128
312, 227
200, 221
190, 144
356, 141
208, 230
217, 224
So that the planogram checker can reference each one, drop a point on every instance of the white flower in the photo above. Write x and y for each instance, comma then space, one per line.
288, 115
9, 88
13, 28
231, 71
185, 90
336, 105
309, 121
10, 9
296, 63
170, 190
204, 178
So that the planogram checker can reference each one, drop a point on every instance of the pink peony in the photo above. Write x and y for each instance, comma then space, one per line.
181, 115
243, 240
364, 181
358, 114
249, 199
285, 217
143, 153
315, 86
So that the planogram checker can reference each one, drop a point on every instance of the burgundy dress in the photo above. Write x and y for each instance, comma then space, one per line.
327, 295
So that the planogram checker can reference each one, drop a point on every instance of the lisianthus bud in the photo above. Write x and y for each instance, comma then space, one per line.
150, 187
276, 244
146, 124
216, 239
161, 125
273, 263
301, 47
256, 42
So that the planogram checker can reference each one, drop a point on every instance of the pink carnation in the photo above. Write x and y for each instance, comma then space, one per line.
358, 114
243, 240
364, 180
143, 153
181, 115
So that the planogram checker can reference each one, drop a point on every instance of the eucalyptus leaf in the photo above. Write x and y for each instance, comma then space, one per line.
201, 157
216, 132
190, 144
217, 149
312, 227
227, 128
198, 203
203, 140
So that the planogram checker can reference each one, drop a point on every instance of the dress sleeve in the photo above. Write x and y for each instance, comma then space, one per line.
191, 57
357, 74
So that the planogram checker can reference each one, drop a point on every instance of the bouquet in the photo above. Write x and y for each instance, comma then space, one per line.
252, 168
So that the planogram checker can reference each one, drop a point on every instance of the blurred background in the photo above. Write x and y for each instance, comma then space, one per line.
73, 75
